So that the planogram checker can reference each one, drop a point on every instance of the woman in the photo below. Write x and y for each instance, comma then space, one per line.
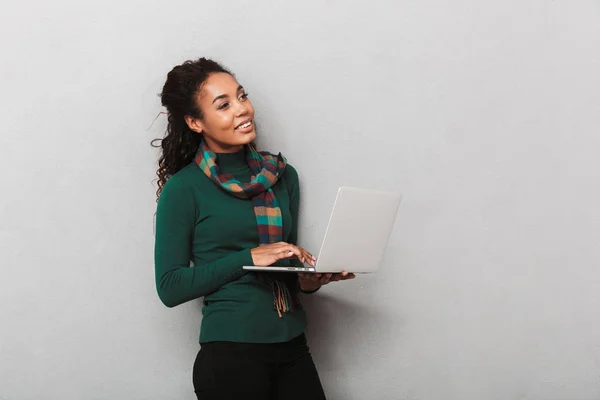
223, 205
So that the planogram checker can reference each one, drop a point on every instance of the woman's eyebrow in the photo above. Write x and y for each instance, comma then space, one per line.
222, 96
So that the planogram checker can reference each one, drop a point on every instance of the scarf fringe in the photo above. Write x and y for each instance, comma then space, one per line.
283, 300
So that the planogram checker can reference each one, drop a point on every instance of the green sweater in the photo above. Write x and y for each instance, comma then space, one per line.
199, 222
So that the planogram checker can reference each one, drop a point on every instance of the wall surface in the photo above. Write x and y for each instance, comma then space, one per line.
484, 114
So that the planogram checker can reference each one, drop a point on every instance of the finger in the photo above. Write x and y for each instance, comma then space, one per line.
315, 277
303, 257
347, 275
309, 258
291, 251
336, 277
284, 255
304, 250
299, 252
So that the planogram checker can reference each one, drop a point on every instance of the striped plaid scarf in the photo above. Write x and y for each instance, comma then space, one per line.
265, 169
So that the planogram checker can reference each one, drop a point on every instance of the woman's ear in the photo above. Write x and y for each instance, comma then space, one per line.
194, 124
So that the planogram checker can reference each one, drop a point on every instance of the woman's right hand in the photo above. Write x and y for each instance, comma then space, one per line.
269, 254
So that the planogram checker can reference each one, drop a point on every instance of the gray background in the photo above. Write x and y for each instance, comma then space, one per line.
485, 114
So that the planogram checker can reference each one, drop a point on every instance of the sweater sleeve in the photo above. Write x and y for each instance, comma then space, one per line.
293, 184
176, 281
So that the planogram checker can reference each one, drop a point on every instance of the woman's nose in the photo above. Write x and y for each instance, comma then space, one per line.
241, 108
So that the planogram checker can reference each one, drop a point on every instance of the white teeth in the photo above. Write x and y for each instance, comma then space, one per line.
247, 124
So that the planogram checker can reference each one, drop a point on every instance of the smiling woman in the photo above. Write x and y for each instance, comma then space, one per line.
223, 205
228, 121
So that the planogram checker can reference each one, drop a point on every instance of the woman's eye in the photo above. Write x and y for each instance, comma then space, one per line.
224, 106
244, 96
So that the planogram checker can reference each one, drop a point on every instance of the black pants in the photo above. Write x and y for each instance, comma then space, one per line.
244, 371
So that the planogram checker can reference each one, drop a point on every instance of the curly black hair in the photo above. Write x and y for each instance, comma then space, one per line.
179, 94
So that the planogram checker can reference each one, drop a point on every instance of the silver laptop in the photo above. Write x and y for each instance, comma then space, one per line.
359, 228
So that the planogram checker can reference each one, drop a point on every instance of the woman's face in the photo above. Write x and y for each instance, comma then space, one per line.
228, 122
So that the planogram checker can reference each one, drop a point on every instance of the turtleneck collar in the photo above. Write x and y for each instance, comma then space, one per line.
229, 162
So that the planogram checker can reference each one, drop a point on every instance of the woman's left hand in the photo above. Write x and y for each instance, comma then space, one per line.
312, 281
